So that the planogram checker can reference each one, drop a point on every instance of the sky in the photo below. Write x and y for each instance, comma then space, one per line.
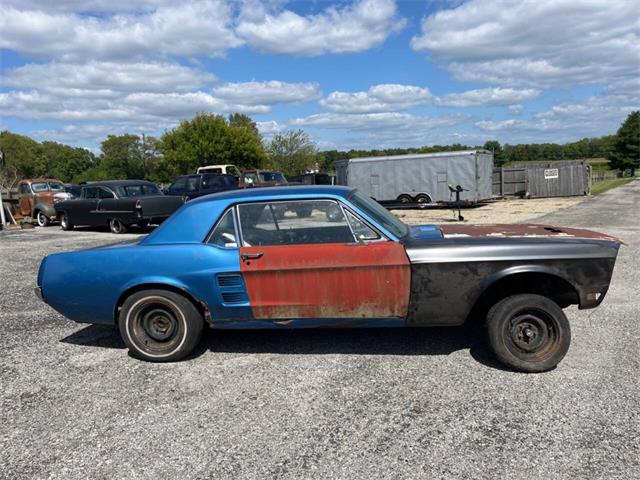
364, 74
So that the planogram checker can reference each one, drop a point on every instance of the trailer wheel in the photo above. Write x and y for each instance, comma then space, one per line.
404, 198
422, 199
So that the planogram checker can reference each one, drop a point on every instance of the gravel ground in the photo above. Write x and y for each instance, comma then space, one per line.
503, 211
353, 404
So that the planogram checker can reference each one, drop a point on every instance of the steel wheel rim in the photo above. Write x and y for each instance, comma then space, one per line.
532, 334
116, 226
63, 220
41, 217
156, 326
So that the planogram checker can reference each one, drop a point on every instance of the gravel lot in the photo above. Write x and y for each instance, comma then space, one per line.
318, 404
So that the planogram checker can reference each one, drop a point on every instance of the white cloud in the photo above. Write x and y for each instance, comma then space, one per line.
353, 28
270, 128
87, 5
535, 42
107, 77
379, 98
487, 96
566, 121
368, 121
201, 28
252, 93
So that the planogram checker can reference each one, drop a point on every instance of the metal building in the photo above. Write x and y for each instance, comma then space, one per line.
420, 177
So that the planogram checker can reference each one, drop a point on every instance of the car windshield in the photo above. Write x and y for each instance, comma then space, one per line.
378, 213
138, 190
47, 186
272, 177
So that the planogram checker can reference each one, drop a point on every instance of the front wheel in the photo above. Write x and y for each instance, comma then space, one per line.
529, 333
160, 325
43, 220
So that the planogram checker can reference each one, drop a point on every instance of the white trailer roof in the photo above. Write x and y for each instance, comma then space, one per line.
419, 155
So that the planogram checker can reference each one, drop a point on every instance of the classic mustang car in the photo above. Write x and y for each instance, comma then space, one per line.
118, 204
229, 261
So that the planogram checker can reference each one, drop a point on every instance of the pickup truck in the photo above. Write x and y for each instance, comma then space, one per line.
118, 204
193, 186
228, 261
36, 199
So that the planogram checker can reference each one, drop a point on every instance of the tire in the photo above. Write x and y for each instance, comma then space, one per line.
42, 219
404, 198
423, 198
65, 224
160, 325
116, 226
528, 333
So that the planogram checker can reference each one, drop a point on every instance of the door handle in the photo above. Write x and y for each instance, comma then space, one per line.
251, 256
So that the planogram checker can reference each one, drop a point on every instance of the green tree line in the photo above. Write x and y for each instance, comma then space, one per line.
214, 139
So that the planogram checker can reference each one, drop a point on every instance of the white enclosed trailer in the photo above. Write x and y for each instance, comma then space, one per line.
420, 177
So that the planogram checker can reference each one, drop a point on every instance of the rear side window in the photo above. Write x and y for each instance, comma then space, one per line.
224, 233
293, 223
105, 193
90, 192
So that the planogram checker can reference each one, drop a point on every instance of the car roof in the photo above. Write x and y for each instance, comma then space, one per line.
254, 193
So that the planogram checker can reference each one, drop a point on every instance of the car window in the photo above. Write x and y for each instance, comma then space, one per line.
378, 213
39, 187
224, 233
90, 192
293, 223
212, 181
105, 193
193, 184
179, 184
272, 177
150, 189
250, 178
24, 188
231, 169
56, 187
360, 229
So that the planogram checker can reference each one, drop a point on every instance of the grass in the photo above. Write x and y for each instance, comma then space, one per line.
599, 187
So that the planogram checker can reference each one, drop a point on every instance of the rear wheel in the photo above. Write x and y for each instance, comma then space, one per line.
404, 198
528, 332
423, 198
42, 219
64, 222
116, 226
160, 325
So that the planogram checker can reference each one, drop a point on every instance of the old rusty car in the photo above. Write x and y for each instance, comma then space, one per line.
228, 261
118, 204
36, 198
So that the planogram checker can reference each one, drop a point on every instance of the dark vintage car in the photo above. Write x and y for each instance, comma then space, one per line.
193, 186
118, 204
228, 261
36, 198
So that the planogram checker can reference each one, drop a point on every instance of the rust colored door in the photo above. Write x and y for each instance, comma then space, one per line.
327, 280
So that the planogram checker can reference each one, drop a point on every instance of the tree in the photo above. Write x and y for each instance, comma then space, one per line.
22, 154
121, 157
209, 139
65, 162
626, 148
498, 154
292, 152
